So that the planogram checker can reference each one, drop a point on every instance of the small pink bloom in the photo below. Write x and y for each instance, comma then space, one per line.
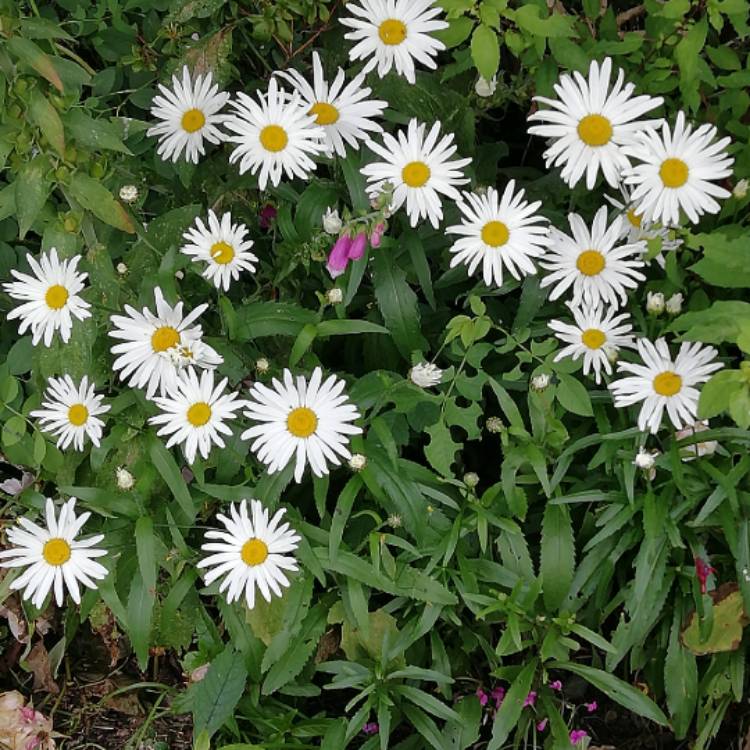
498, 695
377, 235
542, 725
483, 697
338, 258
530, 699
591, 707
578, 735
556, 685
702, 571
357, 249
371, 727
27, 714
267, 216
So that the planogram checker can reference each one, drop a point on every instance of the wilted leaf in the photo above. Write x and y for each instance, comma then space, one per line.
729, 619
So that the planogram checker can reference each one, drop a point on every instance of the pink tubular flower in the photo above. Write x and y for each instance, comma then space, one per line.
591, 707
498, 695
542, 725
357, 249
377, 234
556, 685
702, 571
371, 727
530, 699
483, 697
578, 735
338, 258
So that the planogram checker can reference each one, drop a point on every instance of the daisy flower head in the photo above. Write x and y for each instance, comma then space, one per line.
420, 169
195, 412
274, 135
499, 232
301, 420
665, 383
394, 33
155, 347
71, 412
50, 297
589, 123
189, 113
597, 335
679, 169
591, 263
54, 559
222, 246
251, 551
343, 111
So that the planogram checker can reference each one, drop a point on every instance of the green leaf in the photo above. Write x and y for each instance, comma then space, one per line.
145, 547
529, 18
458, 31
94, 134
170, 472
485, 51
724, 260
680, 680
94, 197
348, 327
442, 448
557, 556
687, 54
619, 691
398, 304
717, 394
14, 430
572, 394
355, 181
219, 692
721, 322
729, 620
506, 719
139, 614
428, 703
341, 514
45, 117
302, 343
32, 188
271, 319
30, 54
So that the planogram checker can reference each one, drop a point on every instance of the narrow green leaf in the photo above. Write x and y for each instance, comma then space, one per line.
558, 555
139, 613
218, 693
170, 472
94, 197
32, 189
341, 514
45, 117
28, 52
145, 547
506, 719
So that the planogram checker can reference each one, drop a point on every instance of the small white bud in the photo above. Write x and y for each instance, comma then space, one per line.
646, 462
471, 479
425, 374
357, 462
261, 365
125, 479
740, 189
335, 296
485, 88
332, 221
122, 269
655, 303
129, 193
179, 275
195, 36
540, 382
674, 304
494, 424
394, 521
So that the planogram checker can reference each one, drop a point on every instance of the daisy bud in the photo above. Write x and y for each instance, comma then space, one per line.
179, 275
357, 462
471, 479
338, 258
494, 424
674, 304
740, 189
655, 303
540, 382
332, 221
261, 366
425, 375
128, 193
122, 269
485, 88
334, 296
125, 480
646, 462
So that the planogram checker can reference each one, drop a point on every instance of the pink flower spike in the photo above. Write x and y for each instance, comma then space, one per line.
338, 258
542, 725
702, 571
483, 698
530, 699
357, 248
578, 735
556, 685
498, 695
377, 235
591, 707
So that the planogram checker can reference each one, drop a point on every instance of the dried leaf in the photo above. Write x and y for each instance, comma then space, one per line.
39, 664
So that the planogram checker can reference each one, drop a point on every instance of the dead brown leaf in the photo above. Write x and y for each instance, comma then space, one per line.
38, 662
12, 612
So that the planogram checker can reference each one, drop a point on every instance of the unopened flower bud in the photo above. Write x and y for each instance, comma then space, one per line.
485, 88
494, 424
540, 382
674, 304
335, 296
357, 462
740, 189
332, 221
125, 480
122, 269
129, 193
655, 303
261, 365
471, 479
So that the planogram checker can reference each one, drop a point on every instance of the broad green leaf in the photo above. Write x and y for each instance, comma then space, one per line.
717, 394
485, 51
529, 18
45, 117
94, 197
724, 260
572, 394
271, 319
217, 694
558, 555
32, 188
458, 31
94, 134
442, 448
506, 719
348, 327
687, 54
30, 54
721, 322
14, 430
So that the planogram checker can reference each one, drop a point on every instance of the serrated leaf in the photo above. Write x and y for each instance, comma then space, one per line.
219, 692
680, 680
558, 555
507, 716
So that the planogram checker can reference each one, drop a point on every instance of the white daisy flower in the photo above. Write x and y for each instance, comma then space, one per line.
636, 229
589, 124
189, 112
678, 170
499, 232
252, 552
418, 167
661, 382
274, 135
343, 111
195, 412
50, 297
591, 264
55, 559
222, 246
309, 422
596, 336
71, 412
147, 356
394, 33
425, 374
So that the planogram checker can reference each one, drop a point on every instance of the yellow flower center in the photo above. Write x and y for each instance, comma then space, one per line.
222, 253
495, 234
302, 422
634, 218
392, 32
199, 414
56, 297
595, 130
667, 383
590, 262
164, 338
415, 174
593, 338
254, 551
56, 551
193, 120
326, 114
78, 414
674, 173
273, 138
